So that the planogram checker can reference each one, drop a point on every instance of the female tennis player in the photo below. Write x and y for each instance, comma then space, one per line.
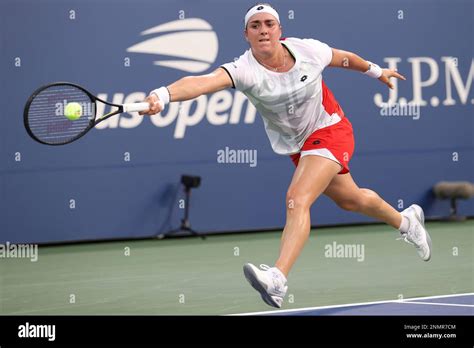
283, 79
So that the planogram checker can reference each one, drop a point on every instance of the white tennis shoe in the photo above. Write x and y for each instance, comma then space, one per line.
268, 281
416, 233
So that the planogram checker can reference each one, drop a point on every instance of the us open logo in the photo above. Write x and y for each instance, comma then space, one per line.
189, 45
191, 42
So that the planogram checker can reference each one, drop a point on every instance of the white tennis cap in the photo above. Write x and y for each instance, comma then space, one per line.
261, 8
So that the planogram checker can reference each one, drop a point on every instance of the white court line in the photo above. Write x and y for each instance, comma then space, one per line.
353, 304
440, 304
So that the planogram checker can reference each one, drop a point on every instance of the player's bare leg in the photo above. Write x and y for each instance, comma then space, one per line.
310, 179
347, 195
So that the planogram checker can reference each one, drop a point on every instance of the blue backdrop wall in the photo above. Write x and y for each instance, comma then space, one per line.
122, 179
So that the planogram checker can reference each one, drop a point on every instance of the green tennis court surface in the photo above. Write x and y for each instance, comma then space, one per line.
192, 276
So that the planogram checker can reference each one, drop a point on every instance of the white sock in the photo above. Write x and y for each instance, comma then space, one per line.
405, 225
280, 273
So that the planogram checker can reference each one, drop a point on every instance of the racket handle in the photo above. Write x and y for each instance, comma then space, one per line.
135, 107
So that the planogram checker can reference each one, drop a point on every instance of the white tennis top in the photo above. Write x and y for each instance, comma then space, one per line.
290, 103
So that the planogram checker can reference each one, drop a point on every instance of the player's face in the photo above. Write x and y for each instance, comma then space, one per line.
263, 33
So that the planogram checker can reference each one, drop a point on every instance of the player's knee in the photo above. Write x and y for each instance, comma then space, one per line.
363, 200
296, 201
349, 205
370, 198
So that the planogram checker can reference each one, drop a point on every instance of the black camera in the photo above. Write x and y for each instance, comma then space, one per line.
191, 181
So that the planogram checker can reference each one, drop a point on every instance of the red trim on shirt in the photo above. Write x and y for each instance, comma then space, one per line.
330, 103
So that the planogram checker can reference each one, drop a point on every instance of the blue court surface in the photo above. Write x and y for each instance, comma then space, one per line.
458, 304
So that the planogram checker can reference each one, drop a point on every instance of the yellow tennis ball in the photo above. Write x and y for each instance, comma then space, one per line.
73, 111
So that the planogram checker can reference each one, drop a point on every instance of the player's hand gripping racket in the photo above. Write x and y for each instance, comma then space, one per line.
62, 112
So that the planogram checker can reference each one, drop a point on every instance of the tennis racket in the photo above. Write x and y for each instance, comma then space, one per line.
62, 112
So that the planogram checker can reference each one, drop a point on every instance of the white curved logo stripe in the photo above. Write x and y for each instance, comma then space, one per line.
181, 24
191, 39
189, 66
184, 44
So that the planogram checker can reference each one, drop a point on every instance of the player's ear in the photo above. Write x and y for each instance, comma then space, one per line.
245, 34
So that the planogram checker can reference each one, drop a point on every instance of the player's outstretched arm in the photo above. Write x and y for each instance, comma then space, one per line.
350, 60
188, 87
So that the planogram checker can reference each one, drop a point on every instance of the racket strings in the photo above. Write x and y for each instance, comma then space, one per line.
47, 117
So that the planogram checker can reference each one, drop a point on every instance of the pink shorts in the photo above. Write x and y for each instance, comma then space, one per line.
335, 142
